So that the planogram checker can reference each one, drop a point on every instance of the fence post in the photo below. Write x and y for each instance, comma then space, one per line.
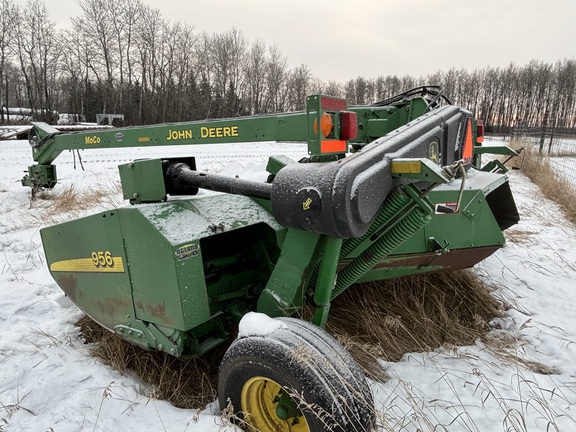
543, 133
553, 125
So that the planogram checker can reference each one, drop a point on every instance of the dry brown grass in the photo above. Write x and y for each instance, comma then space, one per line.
519, 236
538, 169
186, 383
379, 320
62, 204
70, 199
386, 319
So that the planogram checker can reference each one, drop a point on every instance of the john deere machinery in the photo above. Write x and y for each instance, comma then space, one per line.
387, 190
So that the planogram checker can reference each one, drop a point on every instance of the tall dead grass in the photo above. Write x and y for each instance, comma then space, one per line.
387, 319
186, 383
378, 320
69, 202
70, 199
539, 170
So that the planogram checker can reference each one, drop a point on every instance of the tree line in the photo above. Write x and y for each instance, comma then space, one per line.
122, 56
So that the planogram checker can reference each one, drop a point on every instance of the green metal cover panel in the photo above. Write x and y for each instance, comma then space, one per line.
163, 248
143, 181
167, 284
460, 230
86, 258
473, 226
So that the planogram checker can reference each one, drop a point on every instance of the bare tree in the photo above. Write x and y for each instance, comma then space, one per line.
255, 72
275, 81
333, 88
37, 56
361, 90
98, 30
76, 52
109, 25
298, 86
149, 46
186, 91
123, 15
228, 57
350, 92
565, 73
8, 17
205, 72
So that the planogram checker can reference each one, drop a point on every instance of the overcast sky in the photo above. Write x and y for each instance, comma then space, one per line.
344, 39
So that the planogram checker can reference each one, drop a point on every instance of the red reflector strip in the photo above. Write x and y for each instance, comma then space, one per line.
348, 125
333, 146
468, 145
333, 104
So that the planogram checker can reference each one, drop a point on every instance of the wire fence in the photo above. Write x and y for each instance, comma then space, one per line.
566, 168
560, 149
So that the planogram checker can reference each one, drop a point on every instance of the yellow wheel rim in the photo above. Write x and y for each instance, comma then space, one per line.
261, 401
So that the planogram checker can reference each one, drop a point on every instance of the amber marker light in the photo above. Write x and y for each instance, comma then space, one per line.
326, 125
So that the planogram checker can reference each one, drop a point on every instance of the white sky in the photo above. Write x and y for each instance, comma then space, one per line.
340, 39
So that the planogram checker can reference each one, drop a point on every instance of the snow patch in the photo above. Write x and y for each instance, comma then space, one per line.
258, 324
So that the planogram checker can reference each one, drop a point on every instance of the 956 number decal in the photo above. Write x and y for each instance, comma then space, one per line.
102, 259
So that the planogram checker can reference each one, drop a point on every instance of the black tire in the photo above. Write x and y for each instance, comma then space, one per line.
309, 365
346, 365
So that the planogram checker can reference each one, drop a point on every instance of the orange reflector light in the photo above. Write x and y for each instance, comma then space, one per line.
468, 149
326, 125
348, 125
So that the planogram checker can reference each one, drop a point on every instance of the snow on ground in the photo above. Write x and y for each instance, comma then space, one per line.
50, 382
474, 388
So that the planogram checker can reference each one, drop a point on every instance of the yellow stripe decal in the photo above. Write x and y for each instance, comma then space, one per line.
86, 265
406, 167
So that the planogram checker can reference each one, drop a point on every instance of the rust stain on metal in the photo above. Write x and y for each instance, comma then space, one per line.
454, 260
69, 285
114, 306
156, 311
